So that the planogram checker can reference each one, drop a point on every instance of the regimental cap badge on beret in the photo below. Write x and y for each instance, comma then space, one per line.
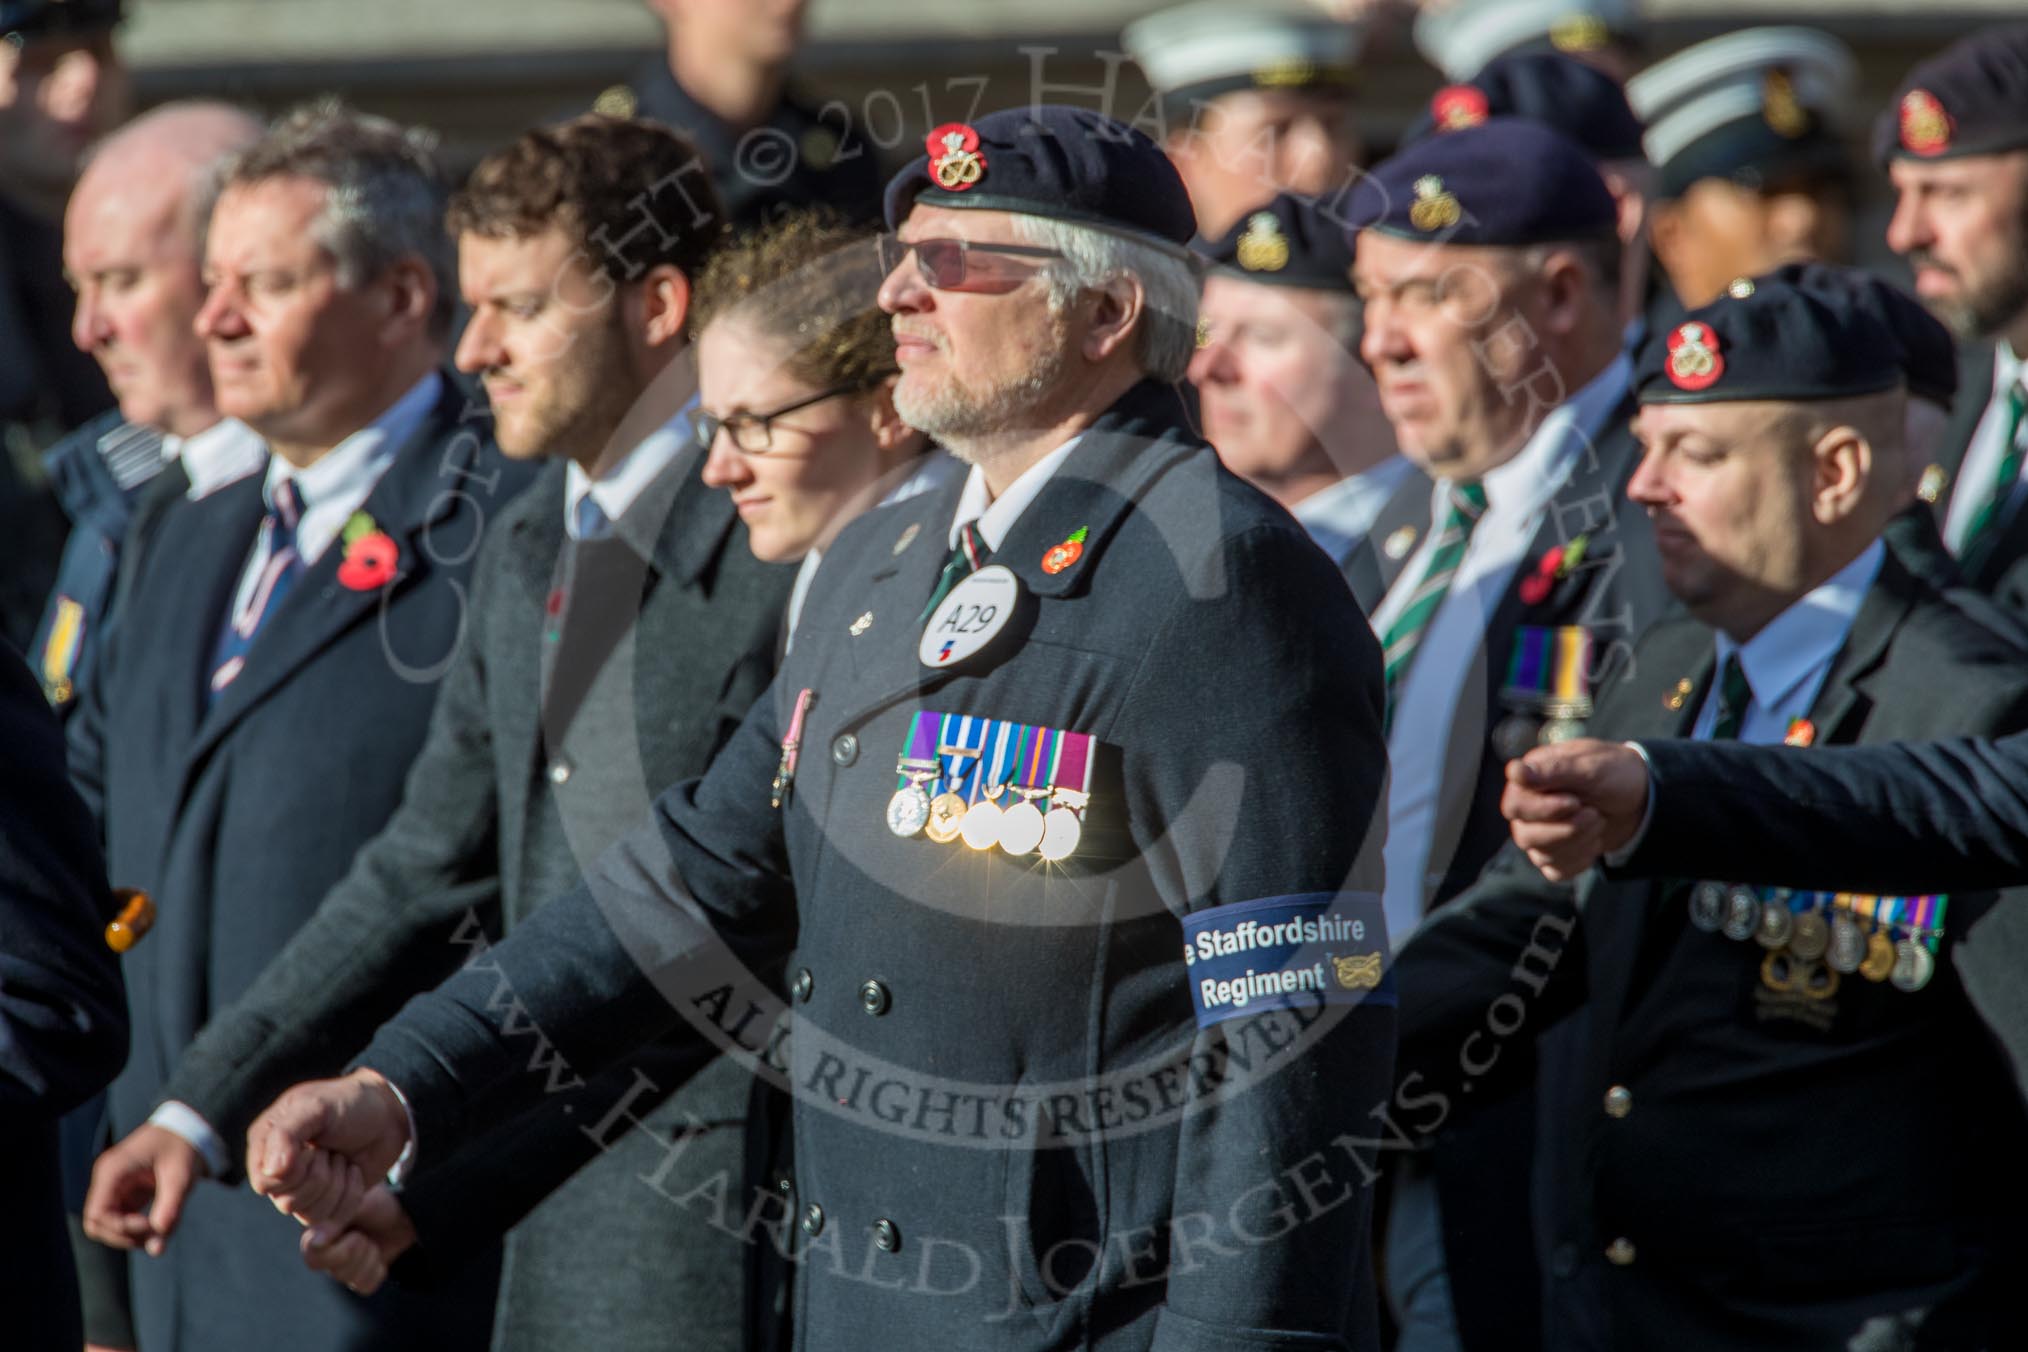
1456, 107
1926, 126
1263, 247
1694, 360
1581, 32
1780, 108
1436, 207
1289, 73
617, 101
955, 161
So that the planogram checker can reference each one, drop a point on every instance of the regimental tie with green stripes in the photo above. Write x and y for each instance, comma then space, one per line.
1463, 508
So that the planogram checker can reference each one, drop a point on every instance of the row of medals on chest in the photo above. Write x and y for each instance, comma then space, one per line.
1841, 942
1019, 829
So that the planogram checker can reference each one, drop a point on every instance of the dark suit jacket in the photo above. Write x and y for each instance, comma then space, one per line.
1615, 594
966, 984
63, 1020
1780, 1183
237, 818
669, 639
1999, 569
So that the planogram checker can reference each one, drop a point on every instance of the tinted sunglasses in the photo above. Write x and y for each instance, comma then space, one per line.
962, 264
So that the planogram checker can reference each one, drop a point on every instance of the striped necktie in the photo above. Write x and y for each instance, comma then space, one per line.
1734, 695
1980, 533
1464, 506
592, 521
968, 558
277, 567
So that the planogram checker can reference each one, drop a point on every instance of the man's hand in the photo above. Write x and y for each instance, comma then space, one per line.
320, 1146
138, 1189
1571, 803
361, 1255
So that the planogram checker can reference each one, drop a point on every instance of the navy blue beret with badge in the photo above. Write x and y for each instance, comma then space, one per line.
1507, 182
1287, 242
1576, 98
1769, 339
1060, 163
49, 18
1929, 354
1970, 99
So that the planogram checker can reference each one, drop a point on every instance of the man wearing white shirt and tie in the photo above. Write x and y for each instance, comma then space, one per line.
619, 628
1487, 260
274, 678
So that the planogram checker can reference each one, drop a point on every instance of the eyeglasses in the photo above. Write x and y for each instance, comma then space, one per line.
752, 433
962, 264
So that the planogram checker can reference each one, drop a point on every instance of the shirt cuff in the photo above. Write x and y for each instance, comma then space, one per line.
180, 1119
404, 1163
1618, 858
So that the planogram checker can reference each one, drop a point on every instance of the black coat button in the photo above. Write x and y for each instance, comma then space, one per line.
845, 750
800, 987
813, 1220
873, 998
886, 1236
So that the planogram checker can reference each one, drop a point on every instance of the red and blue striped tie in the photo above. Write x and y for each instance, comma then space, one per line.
279, 567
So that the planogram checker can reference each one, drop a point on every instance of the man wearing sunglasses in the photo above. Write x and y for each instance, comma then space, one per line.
619, 627
1109, 1083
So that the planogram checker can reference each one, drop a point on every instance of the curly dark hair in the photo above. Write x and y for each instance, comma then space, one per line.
632, 193
811, 278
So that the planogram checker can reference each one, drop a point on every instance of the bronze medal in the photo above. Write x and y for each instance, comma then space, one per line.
946, 818
1777, 923
1811, 937
1879, 963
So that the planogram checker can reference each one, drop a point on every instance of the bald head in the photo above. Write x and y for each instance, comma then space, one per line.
132, 246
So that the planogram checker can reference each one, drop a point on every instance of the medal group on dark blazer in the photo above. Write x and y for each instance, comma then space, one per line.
1180, 987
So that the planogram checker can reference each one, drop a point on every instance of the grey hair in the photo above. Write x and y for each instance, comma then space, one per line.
386, 195
1092, 257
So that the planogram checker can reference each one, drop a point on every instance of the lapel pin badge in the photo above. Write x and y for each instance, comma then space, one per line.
1399, 543
862, 624
908, 536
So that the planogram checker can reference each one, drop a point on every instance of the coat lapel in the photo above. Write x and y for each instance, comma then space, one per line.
1377, 562
1842, 704
318, 609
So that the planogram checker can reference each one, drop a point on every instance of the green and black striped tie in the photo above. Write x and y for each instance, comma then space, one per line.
1462, 510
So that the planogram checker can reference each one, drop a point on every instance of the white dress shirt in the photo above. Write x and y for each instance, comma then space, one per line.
1983, 452
931, 472
1436, 687
996, 516
1787, 661
223, 453
1339, 516
333, 489
616, 489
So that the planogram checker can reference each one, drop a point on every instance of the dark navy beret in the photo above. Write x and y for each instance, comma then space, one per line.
46, 18
1575, 97
1065, 164
1970, 99
1929, 354
1769, 339
1505, 182
1287, 242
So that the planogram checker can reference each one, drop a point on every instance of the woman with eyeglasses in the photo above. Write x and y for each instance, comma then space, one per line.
795, 389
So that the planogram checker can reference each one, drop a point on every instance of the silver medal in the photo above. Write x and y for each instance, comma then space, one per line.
981, 830
1021, 828
1061, 830
1913, 966
1742, 913
1848, 944
908, 811
1707, 906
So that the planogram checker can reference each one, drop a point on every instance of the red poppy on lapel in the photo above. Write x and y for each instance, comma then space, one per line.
369, 561
1557, 562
